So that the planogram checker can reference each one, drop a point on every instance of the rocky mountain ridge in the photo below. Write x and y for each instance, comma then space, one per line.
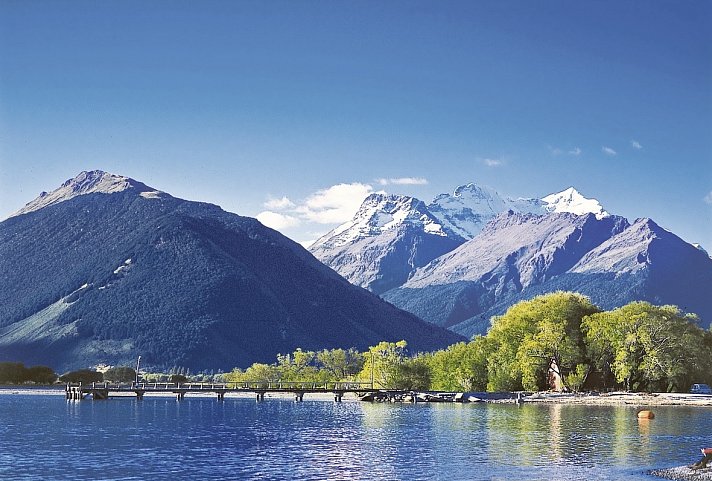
393, 235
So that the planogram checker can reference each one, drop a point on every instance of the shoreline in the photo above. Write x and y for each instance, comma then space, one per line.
622, 398
588, 399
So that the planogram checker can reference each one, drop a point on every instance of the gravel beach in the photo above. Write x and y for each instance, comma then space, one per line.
614, 398
683, 473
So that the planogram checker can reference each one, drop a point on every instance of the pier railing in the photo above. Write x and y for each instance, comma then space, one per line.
230, 386
296, 385
102, 390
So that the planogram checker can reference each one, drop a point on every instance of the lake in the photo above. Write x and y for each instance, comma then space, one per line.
45, 437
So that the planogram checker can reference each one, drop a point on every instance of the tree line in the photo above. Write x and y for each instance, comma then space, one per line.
17, 373
637, 347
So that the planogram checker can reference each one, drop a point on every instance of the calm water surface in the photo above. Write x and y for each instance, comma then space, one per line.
45, 437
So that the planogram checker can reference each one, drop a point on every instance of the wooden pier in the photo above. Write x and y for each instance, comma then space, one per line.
103, 390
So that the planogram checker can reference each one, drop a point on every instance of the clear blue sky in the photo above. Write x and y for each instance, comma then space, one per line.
239, 103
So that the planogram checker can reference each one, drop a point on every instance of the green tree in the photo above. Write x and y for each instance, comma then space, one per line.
532, 334
12, 372
648, 347
259, 372
177, 378
411, 375
461, 367
380, 363
120, 374
298, 366
341, 364
41, 375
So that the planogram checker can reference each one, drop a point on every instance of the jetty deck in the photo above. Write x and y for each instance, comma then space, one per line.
103, 390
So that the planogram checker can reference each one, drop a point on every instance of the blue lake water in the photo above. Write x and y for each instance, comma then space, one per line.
45, 437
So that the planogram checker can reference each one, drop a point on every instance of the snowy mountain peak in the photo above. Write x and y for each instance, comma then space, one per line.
380, 213
473, 190
88, 182
570, 200
466, 211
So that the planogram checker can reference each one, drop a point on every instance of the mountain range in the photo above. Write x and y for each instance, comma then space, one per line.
392, 235
506, 250
105, 268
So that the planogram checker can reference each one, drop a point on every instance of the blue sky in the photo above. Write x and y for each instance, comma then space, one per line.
299, 108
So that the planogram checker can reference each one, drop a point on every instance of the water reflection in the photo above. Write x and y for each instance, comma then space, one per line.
199, 438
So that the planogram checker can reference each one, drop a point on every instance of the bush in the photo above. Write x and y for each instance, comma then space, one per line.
41, 375
83, 376
17, 373
178, 378
12, 372
120, 374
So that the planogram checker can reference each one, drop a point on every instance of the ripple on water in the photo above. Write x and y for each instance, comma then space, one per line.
44, 437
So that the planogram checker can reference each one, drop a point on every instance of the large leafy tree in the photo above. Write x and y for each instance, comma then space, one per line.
648, 347
381, 362
461, 367
258, 372
340, 364
535, 335
298, 366
120, 374
41, 374
412, 375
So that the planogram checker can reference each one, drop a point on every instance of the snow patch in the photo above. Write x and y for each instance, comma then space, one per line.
123, 267
153, 194
570, 200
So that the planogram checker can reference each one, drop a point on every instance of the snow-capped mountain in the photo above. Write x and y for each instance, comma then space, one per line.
468, 209
89, 182
380, 213
387, 239
391, 235
571, 201
110, 269
470, 254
